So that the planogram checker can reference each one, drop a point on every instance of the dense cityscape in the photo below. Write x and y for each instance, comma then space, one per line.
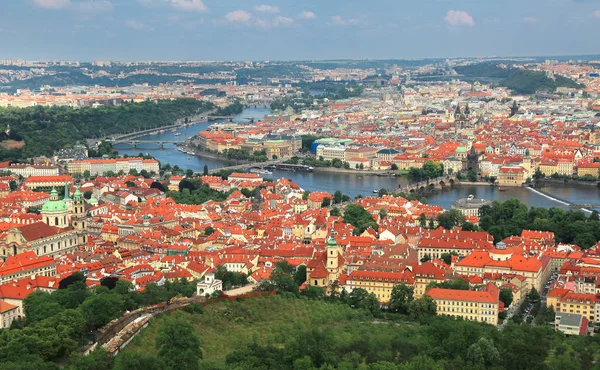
392, 213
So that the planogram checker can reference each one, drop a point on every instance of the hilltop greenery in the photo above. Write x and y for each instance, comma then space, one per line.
46, 129
57, 325
282, 332
519, 80
503, 219
193, 191
530, 82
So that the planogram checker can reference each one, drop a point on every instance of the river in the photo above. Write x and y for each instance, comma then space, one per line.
352, 184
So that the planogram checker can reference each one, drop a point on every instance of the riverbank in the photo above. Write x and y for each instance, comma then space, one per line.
549, 182
351, 171
471, 183
215, 156
555, 198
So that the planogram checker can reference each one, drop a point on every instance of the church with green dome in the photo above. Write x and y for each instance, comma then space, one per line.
56, 212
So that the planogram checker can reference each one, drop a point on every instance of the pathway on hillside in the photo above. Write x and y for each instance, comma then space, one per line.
118, 333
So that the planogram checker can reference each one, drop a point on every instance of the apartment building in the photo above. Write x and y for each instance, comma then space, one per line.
481, 305
377, 282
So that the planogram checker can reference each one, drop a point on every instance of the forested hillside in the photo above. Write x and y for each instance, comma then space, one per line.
46, 129
279, 332
519, 80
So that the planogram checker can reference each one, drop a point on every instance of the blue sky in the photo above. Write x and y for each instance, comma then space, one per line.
295, 29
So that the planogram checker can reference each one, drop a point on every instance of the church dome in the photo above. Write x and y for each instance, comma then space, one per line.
54, 204
461, 149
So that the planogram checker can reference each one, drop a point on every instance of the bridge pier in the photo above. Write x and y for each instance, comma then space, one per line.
161, 144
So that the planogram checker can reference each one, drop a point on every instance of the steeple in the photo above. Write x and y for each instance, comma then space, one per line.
331, 243
77, 195
66, 197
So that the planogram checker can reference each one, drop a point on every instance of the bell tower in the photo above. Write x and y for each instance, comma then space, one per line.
333, 252
78, 216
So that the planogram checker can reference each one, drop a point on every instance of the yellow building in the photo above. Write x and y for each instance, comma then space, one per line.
326, 268
565, 301
481, 305
377, 282
511, 176
329, 153
592, 169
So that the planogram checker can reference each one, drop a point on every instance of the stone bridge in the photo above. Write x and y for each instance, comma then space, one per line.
429, 184
134, 143
244, 166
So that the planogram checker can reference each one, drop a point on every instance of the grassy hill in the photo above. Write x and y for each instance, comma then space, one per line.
293, 333
46, 129
520, 81
226, 326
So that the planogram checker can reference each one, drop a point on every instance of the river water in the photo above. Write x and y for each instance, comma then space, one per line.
352, 184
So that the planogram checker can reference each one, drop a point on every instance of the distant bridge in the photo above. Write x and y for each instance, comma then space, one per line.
244, 166
134, 143
437, 183
211, 118
585, 205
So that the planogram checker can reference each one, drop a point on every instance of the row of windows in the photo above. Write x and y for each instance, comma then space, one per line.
474, 318
466, 310
467, 304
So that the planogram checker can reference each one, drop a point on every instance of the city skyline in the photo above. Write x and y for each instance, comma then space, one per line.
278, 30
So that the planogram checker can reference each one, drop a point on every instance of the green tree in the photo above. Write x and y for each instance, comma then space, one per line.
335, 212
300, 275
205, 170
100, 309
483, 354
506, 296
424, 306
447, 257
359, 217
138, 361
326, 202
337, 197
450, 219
96, 360
178, 344
472, 176
39, 305
423, 220
400, 298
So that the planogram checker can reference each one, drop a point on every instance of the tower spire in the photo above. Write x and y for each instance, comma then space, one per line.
66, 197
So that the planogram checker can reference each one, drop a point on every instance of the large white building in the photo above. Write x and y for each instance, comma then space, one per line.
27, 170
102, 166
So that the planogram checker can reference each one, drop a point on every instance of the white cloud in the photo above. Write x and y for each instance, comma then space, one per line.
597, 13
530, 20
263, 8
261, 23
307, 15
186, 5
338, 20
283, 21
138, 26
94, 6
51, 4
238, 16
459, 18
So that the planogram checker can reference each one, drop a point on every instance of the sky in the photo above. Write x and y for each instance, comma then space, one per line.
88, 30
